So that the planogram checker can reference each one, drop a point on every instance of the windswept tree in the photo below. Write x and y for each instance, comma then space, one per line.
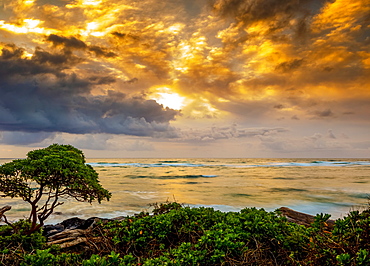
48, 175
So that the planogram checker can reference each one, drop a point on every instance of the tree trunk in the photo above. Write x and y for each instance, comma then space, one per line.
34, 218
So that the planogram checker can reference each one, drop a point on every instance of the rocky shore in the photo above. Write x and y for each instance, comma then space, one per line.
75, 231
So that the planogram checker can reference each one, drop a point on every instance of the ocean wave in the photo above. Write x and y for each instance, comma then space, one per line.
170, 176
330, 163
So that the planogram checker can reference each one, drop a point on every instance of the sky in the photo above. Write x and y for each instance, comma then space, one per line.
186, 78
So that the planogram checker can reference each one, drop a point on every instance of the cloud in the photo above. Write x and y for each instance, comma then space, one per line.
101, 142
72, 43
324, 113
65, 58
289, 66
90, 68
227, 132
68, 42
24, 138
99, 51
14, 64
316, 142
278, 14
38, 96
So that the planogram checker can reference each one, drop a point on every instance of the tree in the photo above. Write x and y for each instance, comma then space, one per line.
46, 176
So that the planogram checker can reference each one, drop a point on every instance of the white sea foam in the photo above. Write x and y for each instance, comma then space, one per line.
272, 164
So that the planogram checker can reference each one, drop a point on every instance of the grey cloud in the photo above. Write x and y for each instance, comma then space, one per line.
315, 142
330, 134
278, 106
130, 81
65, 58
70, 42
11, 51
24, 138
319, 141
362, 145
260, 10
99, 51
107, 142
12, 64
38, 109
289, 66
251, 109
138, 146
102, 80
324, 113
127, 36
46, 99
228, 132
91, 141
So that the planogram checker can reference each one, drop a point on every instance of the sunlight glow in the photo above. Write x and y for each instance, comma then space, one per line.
29, 26
169, 99
91, 2
91, 29
175, 29
28, 2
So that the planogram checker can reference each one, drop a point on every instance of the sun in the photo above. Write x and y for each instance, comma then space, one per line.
169, 99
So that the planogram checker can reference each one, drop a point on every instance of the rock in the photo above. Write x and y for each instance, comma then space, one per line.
302, 218
51, 229
73, 223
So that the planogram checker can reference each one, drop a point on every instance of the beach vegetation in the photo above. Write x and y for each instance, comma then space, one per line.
173, 234
46, 177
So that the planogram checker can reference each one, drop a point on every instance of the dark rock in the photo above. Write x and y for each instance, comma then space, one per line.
302, 218
73, 223
51, 229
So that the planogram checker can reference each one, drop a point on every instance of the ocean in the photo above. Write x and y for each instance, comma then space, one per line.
311, 186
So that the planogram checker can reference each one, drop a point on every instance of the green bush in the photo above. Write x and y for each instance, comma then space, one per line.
205, 236
45, 258
177, 235
14, 243
14, 237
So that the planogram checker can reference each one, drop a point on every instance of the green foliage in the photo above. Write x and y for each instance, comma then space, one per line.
177, 235
14, 237
109, 260
48, 174
45, 258
14, 243
187, 236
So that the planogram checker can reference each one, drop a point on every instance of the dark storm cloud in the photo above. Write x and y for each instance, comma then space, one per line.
99, 51
276, 11
37, 96
70, 42
102, 80
12, 65
289, 66
11, 51
64, 58
124, 35
24, 138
